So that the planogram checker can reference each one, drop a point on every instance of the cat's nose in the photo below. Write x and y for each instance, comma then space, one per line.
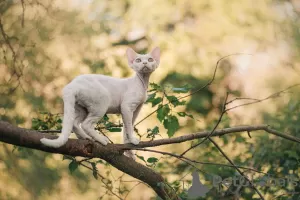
144, 63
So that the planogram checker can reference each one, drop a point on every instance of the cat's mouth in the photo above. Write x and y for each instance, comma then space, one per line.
146, 69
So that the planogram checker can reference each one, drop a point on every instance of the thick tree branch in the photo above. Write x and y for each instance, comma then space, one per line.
87, 145
110, 153
113, 153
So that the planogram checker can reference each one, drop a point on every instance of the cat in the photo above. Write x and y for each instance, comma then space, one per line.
87, 98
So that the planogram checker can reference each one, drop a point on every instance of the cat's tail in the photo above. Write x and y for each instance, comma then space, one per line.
68, 120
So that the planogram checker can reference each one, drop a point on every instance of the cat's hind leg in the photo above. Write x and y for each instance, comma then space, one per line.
80, 115
96, 112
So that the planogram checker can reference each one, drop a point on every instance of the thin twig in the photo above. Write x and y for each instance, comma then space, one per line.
132, 189
237, 169
214, 74
197, 90
199, 162
23, 12
242, 98
215, 127
6, 38
107, 186
274, 95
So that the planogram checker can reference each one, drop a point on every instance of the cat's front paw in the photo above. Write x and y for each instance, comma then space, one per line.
134, 140
102, 139
86, 137
89, 139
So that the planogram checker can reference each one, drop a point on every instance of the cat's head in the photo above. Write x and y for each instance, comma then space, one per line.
143, 63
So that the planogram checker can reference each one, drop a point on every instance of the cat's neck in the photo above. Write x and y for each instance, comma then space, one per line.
144, 79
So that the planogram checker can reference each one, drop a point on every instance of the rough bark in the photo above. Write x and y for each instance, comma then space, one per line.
111, 153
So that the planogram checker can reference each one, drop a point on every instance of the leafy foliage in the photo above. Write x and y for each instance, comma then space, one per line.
164, 114
47, 121
151, 133
58, 40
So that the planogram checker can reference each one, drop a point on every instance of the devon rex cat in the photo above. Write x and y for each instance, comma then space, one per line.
88, 97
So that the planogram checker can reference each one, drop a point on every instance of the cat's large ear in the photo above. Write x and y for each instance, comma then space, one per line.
155, 53
131, 55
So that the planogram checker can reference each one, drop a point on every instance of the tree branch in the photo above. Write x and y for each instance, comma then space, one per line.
254, 101
203, 134
111, 153
237, 169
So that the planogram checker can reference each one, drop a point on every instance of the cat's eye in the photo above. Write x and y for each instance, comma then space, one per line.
138, 60
150, 59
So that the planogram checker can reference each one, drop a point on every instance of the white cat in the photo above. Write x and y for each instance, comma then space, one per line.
89, 97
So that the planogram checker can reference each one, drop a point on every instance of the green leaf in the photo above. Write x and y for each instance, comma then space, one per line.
66, 157
162, 112
171, 124
95, 170
156, 101
174, 101
114, 129
183, 114
44, 127
35, 123
105, 118
155, 130
225, 139
73, 166
95, 174
172, 98
152, 132
141, 158
153, 100
152, 160
155, 87
151, 97
189, 115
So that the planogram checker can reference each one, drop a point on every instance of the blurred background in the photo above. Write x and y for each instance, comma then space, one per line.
45, 44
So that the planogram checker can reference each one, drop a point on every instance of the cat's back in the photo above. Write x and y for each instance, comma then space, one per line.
96, 80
